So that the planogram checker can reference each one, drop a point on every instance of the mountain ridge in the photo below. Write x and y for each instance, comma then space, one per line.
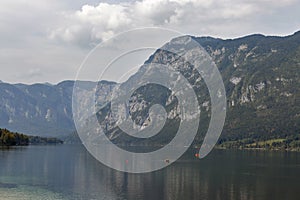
261, 77
260, 73
38, 109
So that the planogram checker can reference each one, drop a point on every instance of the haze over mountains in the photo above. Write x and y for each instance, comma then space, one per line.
38, 109
260, 74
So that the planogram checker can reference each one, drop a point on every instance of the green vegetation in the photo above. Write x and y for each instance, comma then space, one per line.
42, 140
8, 138
290, 143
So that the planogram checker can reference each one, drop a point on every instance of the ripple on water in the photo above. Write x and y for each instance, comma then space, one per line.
23, 192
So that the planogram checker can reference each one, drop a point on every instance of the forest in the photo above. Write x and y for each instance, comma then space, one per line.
8, 138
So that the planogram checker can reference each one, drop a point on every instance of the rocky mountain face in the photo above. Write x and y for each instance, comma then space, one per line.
39, 109
262, 80
260, 74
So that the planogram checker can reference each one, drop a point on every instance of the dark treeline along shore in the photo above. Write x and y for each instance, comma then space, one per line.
8, 138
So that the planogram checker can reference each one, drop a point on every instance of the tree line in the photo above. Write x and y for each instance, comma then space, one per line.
8, 138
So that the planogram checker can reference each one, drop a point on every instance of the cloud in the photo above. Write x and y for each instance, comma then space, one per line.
92, 24
33, 72
55, 36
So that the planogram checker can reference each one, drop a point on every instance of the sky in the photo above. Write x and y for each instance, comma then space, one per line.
47, 40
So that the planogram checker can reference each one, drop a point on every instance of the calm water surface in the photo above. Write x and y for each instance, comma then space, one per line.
69, 172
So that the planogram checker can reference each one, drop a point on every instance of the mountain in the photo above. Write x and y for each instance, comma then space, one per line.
261, 78
39, 109
261, 75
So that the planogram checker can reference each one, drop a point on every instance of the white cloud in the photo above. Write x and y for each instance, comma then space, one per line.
92, 24
49, 34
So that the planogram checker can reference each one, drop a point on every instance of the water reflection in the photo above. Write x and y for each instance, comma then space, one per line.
74, 174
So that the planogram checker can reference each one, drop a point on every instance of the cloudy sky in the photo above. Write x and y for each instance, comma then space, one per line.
46, 40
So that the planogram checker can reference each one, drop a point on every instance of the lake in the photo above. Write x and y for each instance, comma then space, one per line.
70, 172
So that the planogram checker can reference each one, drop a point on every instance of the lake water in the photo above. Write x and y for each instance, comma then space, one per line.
69, 172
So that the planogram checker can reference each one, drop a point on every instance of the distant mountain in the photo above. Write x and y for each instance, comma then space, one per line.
261, 76
262, 80
39, 109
